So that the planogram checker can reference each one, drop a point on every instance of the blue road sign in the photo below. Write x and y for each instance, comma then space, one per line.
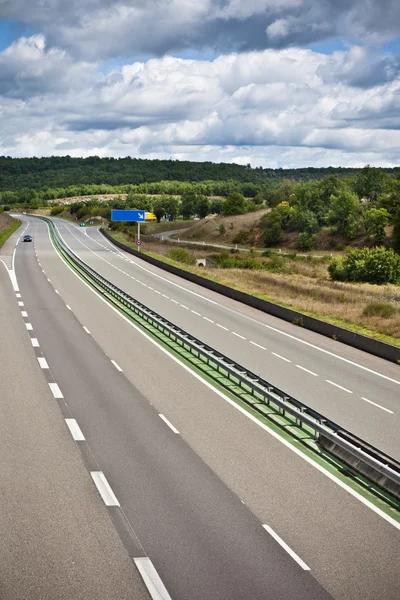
128, 215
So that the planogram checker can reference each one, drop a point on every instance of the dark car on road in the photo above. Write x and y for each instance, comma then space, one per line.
27, 238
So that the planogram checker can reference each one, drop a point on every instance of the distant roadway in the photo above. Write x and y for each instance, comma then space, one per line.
223, 509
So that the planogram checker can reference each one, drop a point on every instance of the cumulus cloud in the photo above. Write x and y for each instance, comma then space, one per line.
275, 107
107, 28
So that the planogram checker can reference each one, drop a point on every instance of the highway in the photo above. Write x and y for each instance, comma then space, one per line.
195, 478
357, 390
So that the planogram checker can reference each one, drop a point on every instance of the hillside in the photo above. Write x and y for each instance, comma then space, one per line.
238, 229
59, 172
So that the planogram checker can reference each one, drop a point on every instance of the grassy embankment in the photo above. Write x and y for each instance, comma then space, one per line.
7, 227
302, 284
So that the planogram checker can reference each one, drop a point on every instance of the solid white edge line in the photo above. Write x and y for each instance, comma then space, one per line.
281, 357
57, 393
29, 326
35, 342
75, 430
43, 362
86, 329
338, 386
239, 408
307, 370
378, 405
104, 488
151, 578
284, 333
284, 545
174, 429
116, 365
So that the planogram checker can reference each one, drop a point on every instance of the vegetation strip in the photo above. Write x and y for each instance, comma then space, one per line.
6, 233
284, 424
333, 330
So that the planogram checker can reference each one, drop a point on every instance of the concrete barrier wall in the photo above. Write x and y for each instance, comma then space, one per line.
356, 340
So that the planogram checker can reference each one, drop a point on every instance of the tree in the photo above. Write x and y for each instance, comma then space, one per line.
345, 211
159, 210
234, 204
171, 206
370, 183
202, 206
376, 220
305, 241
396, 231
188, 204
217, 206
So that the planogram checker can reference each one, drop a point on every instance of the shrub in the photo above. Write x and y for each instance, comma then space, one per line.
379, 309
377, 265
305, 241
56, 210
222, 229
242, 237
181, 255
272, 235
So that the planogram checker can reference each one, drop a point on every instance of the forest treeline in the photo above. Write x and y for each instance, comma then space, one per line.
65, 171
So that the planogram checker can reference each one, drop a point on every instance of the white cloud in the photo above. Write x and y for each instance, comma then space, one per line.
276, 107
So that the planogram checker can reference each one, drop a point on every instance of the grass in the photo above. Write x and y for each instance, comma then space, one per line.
8, 231
307, 289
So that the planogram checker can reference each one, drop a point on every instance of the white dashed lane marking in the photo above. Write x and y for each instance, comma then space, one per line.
29, 326
24, 313
35, 342
174, 429
67, 305
238, 335
258, 345
116, 365
75, 430
307, 370
222, 327
287, 548
196, 313
104, 488
185, 307
43, 362
209, 320
20, 303
281, 357
57, 393
86, 329
378, 405
339, 386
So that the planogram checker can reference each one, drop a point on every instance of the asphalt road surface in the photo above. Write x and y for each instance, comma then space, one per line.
359, 391
195, 477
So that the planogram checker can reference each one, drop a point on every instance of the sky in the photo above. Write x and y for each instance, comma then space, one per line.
271, 83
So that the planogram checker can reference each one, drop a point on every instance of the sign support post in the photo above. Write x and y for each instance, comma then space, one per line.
138, 236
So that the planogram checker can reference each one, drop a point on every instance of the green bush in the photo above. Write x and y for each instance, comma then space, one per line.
377, 265
379, 309
242, 237
305, 241
56, 210
222, 229
272, 235
181, 255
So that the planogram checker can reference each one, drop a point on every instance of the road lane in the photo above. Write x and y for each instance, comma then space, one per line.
56, 539
304, 372
277, 486
204, 542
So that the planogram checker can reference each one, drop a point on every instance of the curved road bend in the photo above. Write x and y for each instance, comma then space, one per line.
357, 390
197, 499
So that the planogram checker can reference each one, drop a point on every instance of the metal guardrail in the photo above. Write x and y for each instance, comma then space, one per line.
262, 391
